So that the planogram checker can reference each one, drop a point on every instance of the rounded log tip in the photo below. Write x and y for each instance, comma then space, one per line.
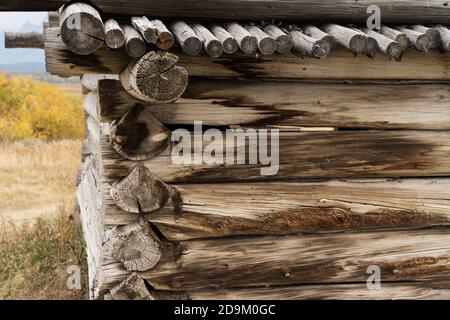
165, 40
321, 49
249, 44
372, 47
267, 46
284, 44
331, 40
192, 46
135, 48
394, 51
214, 48
155, 78
424, 43
403, 41
230, 46
83, 33
136, 246
358, 43
115, 39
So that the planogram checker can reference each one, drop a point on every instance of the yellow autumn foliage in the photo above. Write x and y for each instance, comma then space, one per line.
31, 109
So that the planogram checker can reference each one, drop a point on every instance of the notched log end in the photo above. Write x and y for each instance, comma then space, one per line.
142, 192
138, 135
136, 246
132, 288
155, 78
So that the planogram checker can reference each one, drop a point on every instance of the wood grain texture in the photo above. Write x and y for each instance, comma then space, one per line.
310, 155
388, 291
253, 103
339, 65
394, 11
221, 210
421, 255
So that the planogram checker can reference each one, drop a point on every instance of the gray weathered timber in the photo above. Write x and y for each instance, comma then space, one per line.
114, 35
190, 43
131, 288
420, 41
389, 47
229, 44
146, 28
155, 77
388, 291
306, 155
394, 11
253, 103
82, 29
314, 32
347, 37
266, 44
134, 43
284, 41
295, 259
295, 207
307, 46
433, 33
246, 41
24, 40
138, 135
213, 47
445, 37
135, 245
339, 65
399, 37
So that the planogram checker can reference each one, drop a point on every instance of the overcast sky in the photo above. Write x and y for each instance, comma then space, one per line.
15, 20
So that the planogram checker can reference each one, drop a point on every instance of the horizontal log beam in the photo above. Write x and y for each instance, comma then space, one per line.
252, 103
220, 210
397, 11
291, 260
339, 65
388, 291
307, 155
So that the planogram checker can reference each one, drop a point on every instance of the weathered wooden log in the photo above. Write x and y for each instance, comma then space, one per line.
247, 42
371, 46
445, 37
399, 37
142, 192
256, 103
213, 47
266, 44
165, 39
186, 37
53, 19
134, 43
335, 155
229, 44
91, 219
420, 41
138, 135
24, 40
348, 11
347, 37
340, 65
389, 47
132, 288
90, 81
284, 41
291, 260
434, 35
308, 46
387, 291
296, 207
155, 77
90, 102
114, 35
146, 28
135, 245
82, 29
314, 32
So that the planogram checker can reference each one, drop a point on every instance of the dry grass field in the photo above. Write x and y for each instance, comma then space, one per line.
40, 233
40, 130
